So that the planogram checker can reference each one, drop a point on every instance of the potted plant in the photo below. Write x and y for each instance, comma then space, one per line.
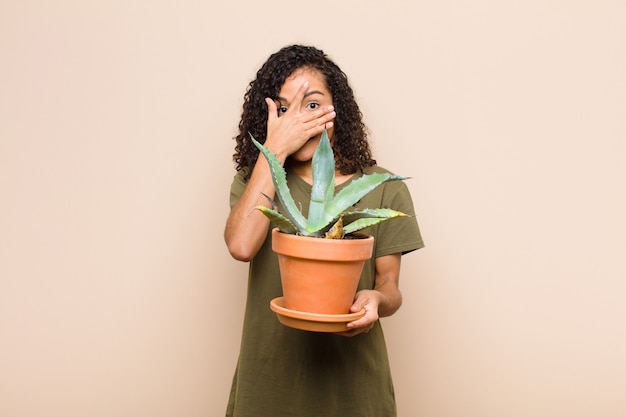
321, 256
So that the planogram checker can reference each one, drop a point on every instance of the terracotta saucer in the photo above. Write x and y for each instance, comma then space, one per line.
312, 322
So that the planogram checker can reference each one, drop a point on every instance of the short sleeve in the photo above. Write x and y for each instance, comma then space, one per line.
400, 235
237, 188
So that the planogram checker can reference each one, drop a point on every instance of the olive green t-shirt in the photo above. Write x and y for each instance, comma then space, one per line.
285, 372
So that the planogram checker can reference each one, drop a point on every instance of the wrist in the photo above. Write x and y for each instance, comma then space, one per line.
280, 153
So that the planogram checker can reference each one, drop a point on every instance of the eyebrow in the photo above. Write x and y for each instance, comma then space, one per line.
308, 93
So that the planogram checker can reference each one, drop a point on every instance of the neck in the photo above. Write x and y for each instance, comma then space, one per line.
302, 169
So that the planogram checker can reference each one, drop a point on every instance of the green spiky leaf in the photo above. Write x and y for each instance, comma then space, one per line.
370, 217
357, 189
278, 219
279, 178
325, 208
323, 188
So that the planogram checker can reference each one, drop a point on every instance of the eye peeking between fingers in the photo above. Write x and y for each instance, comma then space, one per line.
310, 106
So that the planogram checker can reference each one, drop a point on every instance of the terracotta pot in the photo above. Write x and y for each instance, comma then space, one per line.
320, 275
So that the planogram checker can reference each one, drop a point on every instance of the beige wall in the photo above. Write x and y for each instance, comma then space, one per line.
117, 296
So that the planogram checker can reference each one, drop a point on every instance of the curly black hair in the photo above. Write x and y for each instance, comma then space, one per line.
351, 148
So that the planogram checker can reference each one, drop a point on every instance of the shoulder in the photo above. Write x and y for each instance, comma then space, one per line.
241, 178
237, 186
376, 169
389, 186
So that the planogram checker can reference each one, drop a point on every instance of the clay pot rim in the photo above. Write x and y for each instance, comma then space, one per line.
323, 249
358, 236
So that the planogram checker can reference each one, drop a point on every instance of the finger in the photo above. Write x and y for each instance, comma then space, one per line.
314, 131
272, 110
362, 322
356, 331
356, 307
296, 101
359, 303
367, 320
319, 122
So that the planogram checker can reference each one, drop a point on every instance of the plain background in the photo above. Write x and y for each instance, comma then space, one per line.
117, 295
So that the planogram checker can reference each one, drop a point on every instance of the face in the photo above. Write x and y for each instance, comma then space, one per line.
317, 96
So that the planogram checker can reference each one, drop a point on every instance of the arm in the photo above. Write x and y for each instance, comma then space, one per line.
384, 300
246, 227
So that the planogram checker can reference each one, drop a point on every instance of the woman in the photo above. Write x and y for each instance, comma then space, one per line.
281, 371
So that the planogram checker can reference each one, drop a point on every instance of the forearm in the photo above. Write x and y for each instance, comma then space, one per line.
387, 284
246, 228
390, 298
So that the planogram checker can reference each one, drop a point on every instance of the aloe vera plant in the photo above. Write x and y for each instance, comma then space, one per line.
328, 214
